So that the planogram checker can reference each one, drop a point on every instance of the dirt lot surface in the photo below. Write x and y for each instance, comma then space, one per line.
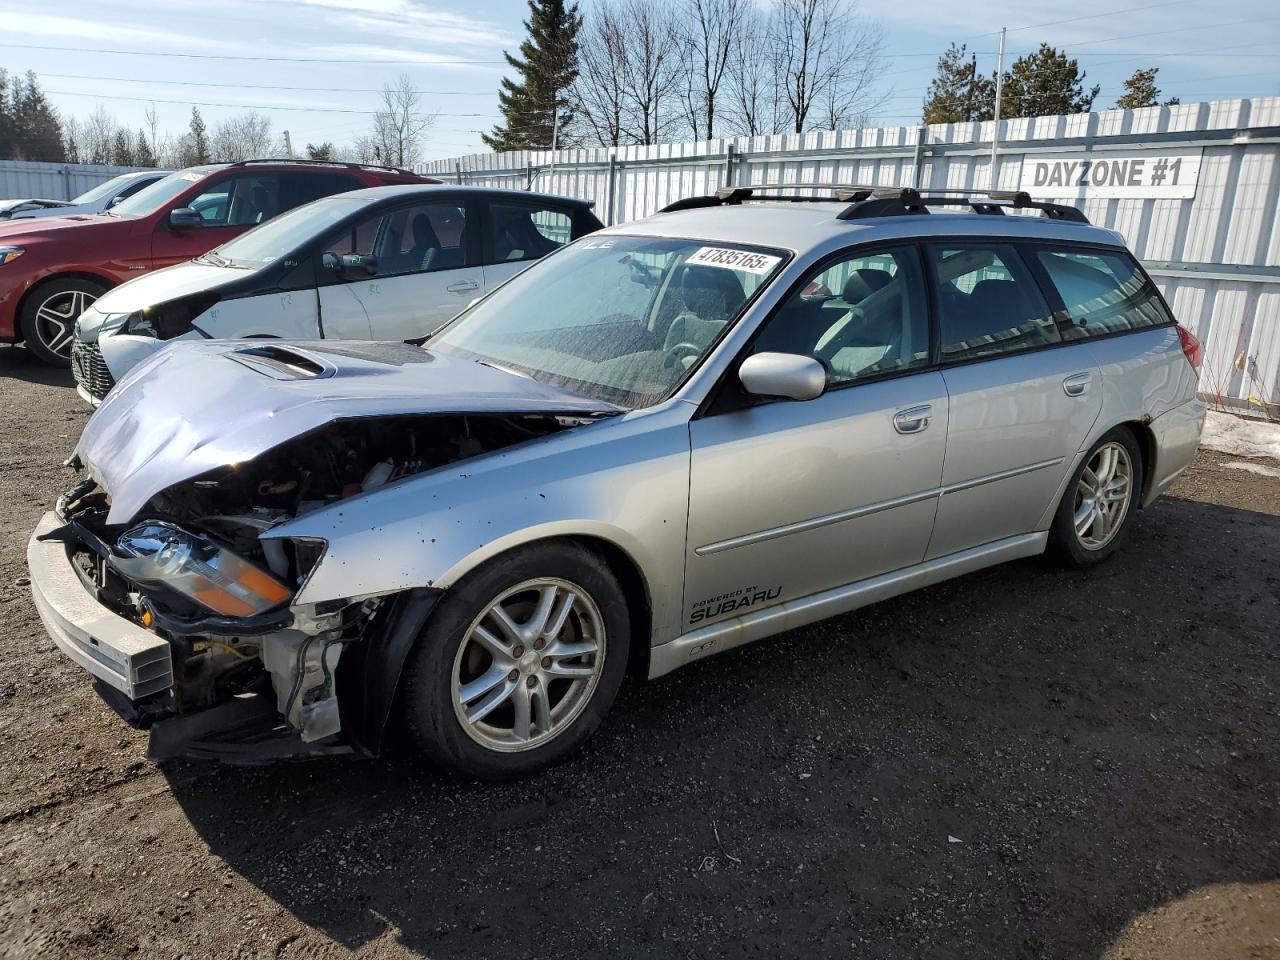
1022, 763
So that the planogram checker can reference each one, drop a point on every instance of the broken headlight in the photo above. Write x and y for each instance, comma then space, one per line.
196, 567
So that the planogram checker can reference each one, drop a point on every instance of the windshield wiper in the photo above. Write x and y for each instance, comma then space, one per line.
213, 258
504, 369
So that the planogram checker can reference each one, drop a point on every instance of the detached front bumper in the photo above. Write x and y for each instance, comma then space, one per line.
121, 654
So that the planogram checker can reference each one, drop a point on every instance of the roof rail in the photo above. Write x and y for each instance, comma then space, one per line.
327, 163
873, 200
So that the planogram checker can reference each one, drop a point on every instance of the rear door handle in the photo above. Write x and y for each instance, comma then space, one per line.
463, 286
1076, 384
913, 419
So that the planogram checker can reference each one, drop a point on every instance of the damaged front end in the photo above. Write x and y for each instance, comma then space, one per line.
184, 608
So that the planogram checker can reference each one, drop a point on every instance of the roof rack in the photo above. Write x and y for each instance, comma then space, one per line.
868, 201
327, 163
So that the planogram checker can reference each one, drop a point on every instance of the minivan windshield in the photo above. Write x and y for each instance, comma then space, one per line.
286, 233
159, 193
616, 318
103, 189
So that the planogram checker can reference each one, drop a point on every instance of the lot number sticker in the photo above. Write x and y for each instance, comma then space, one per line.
730, 259
1171, 175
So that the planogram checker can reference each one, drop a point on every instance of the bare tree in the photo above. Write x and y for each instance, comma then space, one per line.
753, 93
245, 137
710, 32
98, 136
651, 73
599, 92
827, 53
400, 128
153, 129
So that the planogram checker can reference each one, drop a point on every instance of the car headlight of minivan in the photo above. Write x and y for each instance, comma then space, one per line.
212, 576
10, 254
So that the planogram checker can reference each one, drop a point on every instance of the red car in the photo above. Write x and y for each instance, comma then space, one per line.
52, 268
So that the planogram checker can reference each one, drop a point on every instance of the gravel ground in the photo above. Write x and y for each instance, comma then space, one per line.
1024, 762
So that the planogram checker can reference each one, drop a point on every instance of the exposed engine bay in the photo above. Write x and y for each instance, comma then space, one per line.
193, 568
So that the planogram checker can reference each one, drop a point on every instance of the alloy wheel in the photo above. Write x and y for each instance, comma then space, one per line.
56, 319
528, 665
1103, 493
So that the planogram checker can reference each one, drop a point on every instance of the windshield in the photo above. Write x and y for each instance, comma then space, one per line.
159, 193
102, 190
620, 319
285, 233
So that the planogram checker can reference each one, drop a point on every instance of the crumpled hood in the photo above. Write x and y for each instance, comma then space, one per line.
197, 406
153, 289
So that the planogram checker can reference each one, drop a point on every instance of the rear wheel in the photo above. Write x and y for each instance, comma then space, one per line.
520, 662
1097, 508
49, 317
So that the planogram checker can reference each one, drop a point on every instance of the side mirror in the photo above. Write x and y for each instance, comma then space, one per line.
114, 201
783, 375
357, 266
183, 218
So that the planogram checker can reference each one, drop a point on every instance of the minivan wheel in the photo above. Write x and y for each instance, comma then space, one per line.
49, 317
1097, 508
519, 663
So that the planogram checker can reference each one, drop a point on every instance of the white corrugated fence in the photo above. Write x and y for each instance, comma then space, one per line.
1193, 188
20, 180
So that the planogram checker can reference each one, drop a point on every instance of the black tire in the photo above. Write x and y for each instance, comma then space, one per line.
55, 306
1066, 543
427, 699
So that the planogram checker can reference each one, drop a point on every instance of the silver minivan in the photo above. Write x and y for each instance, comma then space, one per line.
662, 441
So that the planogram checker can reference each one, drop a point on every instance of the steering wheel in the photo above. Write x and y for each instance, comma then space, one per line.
679, 352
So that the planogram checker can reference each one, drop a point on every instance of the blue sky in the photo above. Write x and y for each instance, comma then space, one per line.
453, 50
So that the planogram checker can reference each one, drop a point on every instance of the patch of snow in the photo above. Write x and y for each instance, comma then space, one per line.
1241, 436
1257, 468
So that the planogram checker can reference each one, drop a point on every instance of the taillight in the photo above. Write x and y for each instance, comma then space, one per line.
1191, 346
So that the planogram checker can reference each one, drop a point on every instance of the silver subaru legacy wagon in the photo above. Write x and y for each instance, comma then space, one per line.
667, 439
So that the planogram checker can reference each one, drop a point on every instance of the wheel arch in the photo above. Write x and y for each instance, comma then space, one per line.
1145, 438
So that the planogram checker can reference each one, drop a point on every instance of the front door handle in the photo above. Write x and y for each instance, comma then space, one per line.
1076, 384
463, 286
913, 419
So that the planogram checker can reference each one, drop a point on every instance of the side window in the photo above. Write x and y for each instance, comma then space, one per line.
243, 200
132, 188
988, 302
525, 231
299, 188
862, 316
1104, 292
360, 238
423, 238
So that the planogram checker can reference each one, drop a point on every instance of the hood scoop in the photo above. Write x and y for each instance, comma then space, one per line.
283, 363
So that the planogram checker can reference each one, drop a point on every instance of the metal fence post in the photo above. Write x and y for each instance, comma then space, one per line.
457, 169
66, 183
611, 189
918, 180
728, 165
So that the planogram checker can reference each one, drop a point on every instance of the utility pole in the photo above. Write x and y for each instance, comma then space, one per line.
288, 145
973, 82
995, 126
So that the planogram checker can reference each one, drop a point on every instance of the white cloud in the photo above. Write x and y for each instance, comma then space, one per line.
81, 28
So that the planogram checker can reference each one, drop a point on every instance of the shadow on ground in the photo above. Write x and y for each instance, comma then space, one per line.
1017, 763
19, 363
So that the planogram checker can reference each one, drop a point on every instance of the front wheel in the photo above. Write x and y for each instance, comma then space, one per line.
49, 317
1097, 508
519, 663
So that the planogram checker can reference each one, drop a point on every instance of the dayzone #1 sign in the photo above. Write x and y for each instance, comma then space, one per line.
1172, 175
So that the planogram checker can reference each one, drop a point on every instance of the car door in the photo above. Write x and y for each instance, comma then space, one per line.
424, 270
212, 201
1022, 399
519, 232
789, 498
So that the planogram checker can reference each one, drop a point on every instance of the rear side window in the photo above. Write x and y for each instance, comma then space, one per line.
299, 188
988, 302
526, 231
1103, 292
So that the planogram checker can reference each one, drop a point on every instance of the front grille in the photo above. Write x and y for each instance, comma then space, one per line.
89, 369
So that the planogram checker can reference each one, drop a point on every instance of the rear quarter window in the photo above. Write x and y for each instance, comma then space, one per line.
1103, 292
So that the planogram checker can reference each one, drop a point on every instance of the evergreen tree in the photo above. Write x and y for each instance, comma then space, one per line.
1140, 90
958, 93
1043, 84
195, 148
29, 126
122, 149
546, 68
142, 155
320, 151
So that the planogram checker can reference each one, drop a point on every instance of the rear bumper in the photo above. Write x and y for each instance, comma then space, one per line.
121, 654
1177, 434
